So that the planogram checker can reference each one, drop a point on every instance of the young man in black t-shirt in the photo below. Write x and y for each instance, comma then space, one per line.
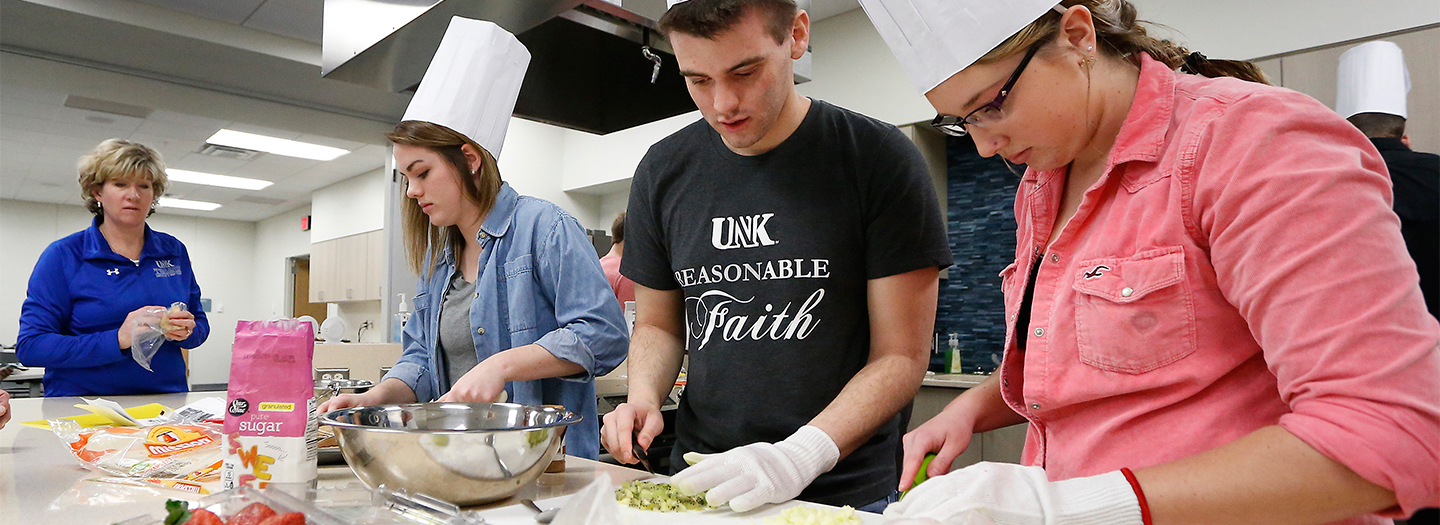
792, 248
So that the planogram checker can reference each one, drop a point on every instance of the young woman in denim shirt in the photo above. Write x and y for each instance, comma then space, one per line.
541, 320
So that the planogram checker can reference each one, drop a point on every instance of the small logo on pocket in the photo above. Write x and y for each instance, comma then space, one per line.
112, 271
1096, 272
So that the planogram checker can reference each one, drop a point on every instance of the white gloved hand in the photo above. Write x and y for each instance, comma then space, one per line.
1009, 494
759, 473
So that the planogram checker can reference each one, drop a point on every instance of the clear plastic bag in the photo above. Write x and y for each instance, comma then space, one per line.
148, 332
593, 505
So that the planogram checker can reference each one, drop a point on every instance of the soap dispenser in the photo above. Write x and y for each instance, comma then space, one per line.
401, 315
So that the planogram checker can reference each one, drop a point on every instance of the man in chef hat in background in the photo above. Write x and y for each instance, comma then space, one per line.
1371, 90
511, 300
793, 248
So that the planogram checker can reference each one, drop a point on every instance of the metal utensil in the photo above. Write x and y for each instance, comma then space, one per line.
542, 516
640, 452
463, 453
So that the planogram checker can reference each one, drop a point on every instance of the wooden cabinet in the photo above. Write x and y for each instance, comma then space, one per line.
348, 268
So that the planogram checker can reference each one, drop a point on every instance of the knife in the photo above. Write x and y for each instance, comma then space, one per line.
640, 452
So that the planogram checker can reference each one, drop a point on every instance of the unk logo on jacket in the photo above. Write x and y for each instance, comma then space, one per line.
747, 231
166, 268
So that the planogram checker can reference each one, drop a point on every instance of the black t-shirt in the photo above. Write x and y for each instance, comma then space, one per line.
773, 253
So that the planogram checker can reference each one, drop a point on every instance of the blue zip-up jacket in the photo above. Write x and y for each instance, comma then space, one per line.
79, 295
539, 282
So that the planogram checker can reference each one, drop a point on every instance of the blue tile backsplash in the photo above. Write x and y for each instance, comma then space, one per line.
981, 216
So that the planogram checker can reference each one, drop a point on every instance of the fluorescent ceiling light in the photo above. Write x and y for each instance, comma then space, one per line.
167, 202
278, 146
211, 179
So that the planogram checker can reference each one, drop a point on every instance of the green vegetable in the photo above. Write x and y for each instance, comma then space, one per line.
179, 512
921, 475
660, 497
536, 437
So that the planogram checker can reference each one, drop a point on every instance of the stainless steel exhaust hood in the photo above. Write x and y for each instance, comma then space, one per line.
587, 71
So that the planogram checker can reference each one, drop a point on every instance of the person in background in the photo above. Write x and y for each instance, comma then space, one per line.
511, 298
1212, 316
89, 288
4, 408
623, 287
1371, 90
792, 248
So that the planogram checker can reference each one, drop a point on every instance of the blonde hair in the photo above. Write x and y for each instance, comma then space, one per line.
423, 241
1118, 33
117, 159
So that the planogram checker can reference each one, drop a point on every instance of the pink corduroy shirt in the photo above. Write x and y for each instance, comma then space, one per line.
1237, 266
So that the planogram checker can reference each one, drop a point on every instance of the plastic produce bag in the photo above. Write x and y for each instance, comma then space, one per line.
148, 332
593, 505
175, 455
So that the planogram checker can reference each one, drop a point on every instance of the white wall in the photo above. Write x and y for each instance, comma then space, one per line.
1247, 29
611, 205
220, 252
533, 163
594, 160
855, 70
351, 206
276, 240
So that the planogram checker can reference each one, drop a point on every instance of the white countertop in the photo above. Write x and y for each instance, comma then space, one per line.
953, 380
41, 482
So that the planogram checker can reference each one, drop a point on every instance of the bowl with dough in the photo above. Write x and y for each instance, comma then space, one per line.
463, 453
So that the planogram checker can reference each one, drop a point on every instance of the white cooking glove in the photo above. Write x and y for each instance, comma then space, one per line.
1009, 494
759, 473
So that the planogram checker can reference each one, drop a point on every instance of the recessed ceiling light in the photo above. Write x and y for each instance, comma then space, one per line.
211, 179
278, 146
167, 202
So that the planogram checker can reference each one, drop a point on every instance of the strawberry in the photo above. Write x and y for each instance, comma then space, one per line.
252, 514
288, 518
203, 517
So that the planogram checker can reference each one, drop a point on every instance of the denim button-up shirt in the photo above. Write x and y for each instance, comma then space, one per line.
540, 282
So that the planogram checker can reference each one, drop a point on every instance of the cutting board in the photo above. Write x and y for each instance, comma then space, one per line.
520, 515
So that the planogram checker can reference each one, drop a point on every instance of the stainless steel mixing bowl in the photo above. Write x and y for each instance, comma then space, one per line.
464, 453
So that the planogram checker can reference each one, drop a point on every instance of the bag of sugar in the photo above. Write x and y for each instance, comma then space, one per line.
270, 423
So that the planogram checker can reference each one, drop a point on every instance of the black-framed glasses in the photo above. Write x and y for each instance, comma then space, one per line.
983, 115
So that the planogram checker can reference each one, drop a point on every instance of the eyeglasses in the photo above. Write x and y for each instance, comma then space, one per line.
983, 115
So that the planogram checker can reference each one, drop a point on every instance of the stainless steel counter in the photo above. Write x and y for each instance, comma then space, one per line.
41, 482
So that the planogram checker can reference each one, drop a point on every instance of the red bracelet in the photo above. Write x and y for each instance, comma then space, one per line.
1139, 495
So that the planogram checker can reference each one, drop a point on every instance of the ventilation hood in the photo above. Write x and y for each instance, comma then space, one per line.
587, 71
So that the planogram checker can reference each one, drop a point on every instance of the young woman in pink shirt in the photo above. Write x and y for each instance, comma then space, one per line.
1213, 318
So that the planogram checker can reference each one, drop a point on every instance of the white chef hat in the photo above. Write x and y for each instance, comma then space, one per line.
472, 82
935, 39
1372, 79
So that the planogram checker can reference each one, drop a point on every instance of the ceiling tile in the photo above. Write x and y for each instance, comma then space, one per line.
190, 121
43, 96
332, 142
208, 164
11, 106
196, 134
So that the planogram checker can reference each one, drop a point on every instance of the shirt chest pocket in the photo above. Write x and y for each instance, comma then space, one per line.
520, 295
1134, 315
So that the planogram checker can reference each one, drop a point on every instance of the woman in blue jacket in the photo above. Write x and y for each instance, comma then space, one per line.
511, 295
88, 288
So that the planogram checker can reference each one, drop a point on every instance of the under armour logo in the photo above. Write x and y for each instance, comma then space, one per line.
1094, 273
112, 271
